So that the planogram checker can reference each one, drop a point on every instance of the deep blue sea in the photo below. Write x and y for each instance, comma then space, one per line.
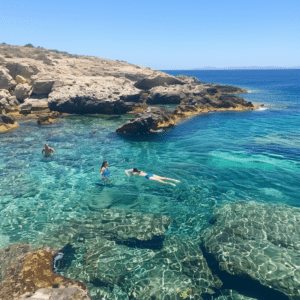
218, 157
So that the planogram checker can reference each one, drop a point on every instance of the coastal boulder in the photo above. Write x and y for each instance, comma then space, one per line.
42, 86
259, 242
149, 83
47, 120
6, 80
22, 91
20, 79
7, 123
24, 69
13, 101
149, 120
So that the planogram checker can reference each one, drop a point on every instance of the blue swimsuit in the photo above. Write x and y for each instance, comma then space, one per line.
148, 176
106, 173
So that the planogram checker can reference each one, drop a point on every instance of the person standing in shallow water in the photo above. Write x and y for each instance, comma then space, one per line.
149, 176
104, 170
47, 151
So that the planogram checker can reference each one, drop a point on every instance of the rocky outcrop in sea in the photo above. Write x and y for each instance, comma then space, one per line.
78, 84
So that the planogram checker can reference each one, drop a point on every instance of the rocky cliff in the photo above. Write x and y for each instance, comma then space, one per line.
35, 79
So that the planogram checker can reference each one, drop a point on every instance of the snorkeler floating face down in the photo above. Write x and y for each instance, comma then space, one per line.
149, 176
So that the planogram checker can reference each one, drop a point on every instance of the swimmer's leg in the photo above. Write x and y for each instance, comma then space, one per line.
159, 180
166, 178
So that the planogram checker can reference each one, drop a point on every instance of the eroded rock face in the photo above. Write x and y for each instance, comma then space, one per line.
32, 272
149, 83
42, 86
259, 241
47, 120
24, 69
7, 123
6, 80
22, 91
92, 100
149, 120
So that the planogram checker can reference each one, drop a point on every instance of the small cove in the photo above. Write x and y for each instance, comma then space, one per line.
218, 157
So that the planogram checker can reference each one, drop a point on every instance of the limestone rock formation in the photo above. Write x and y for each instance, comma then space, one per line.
21, 79
4, 94
22, 91
149, 83
258, 241
6, 80
7, 123
31, 273
42, 86
149, 120
24, 69
82, 99
47, 120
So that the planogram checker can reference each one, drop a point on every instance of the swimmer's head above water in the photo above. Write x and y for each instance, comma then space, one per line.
104, 164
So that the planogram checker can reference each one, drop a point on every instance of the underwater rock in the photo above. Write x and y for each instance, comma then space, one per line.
32, 272
259, 242
233, 295
73, 293
179, 270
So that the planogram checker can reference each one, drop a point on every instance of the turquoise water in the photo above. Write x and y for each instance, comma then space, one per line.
218, 157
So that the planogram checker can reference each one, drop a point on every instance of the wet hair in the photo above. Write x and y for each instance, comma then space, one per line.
135, 170
104, 164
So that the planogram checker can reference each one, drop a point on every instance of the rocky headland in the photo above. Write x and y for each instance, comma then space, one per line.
40, 83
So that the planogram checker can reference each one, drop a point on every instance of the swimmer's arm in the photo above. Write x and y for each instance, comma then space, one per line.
43, 151
52, 150
102, 170
127, 171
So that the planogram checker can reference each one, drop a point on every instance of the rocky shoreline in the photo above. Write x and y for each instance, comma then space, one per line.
40, 83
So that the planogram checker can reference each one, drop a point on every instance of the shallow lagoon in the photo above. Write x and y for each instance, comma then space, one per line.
219, 158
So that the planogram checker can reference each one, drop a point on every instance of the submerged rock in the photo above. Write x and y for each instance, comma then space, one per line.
258, 241
117, 225
73, 293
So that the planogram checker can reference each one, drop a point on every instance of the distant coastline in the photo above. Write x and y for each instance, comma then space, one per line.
246, 68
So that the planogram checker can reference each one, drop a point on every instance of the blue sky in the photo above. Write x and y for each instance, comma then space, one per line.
161, 34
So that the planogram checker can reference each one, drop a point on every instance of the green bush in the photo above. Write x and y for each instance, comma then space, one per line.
29, 45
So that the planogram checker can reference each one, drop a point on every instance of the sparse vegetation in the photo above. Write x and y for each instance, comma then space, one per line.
29, 45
